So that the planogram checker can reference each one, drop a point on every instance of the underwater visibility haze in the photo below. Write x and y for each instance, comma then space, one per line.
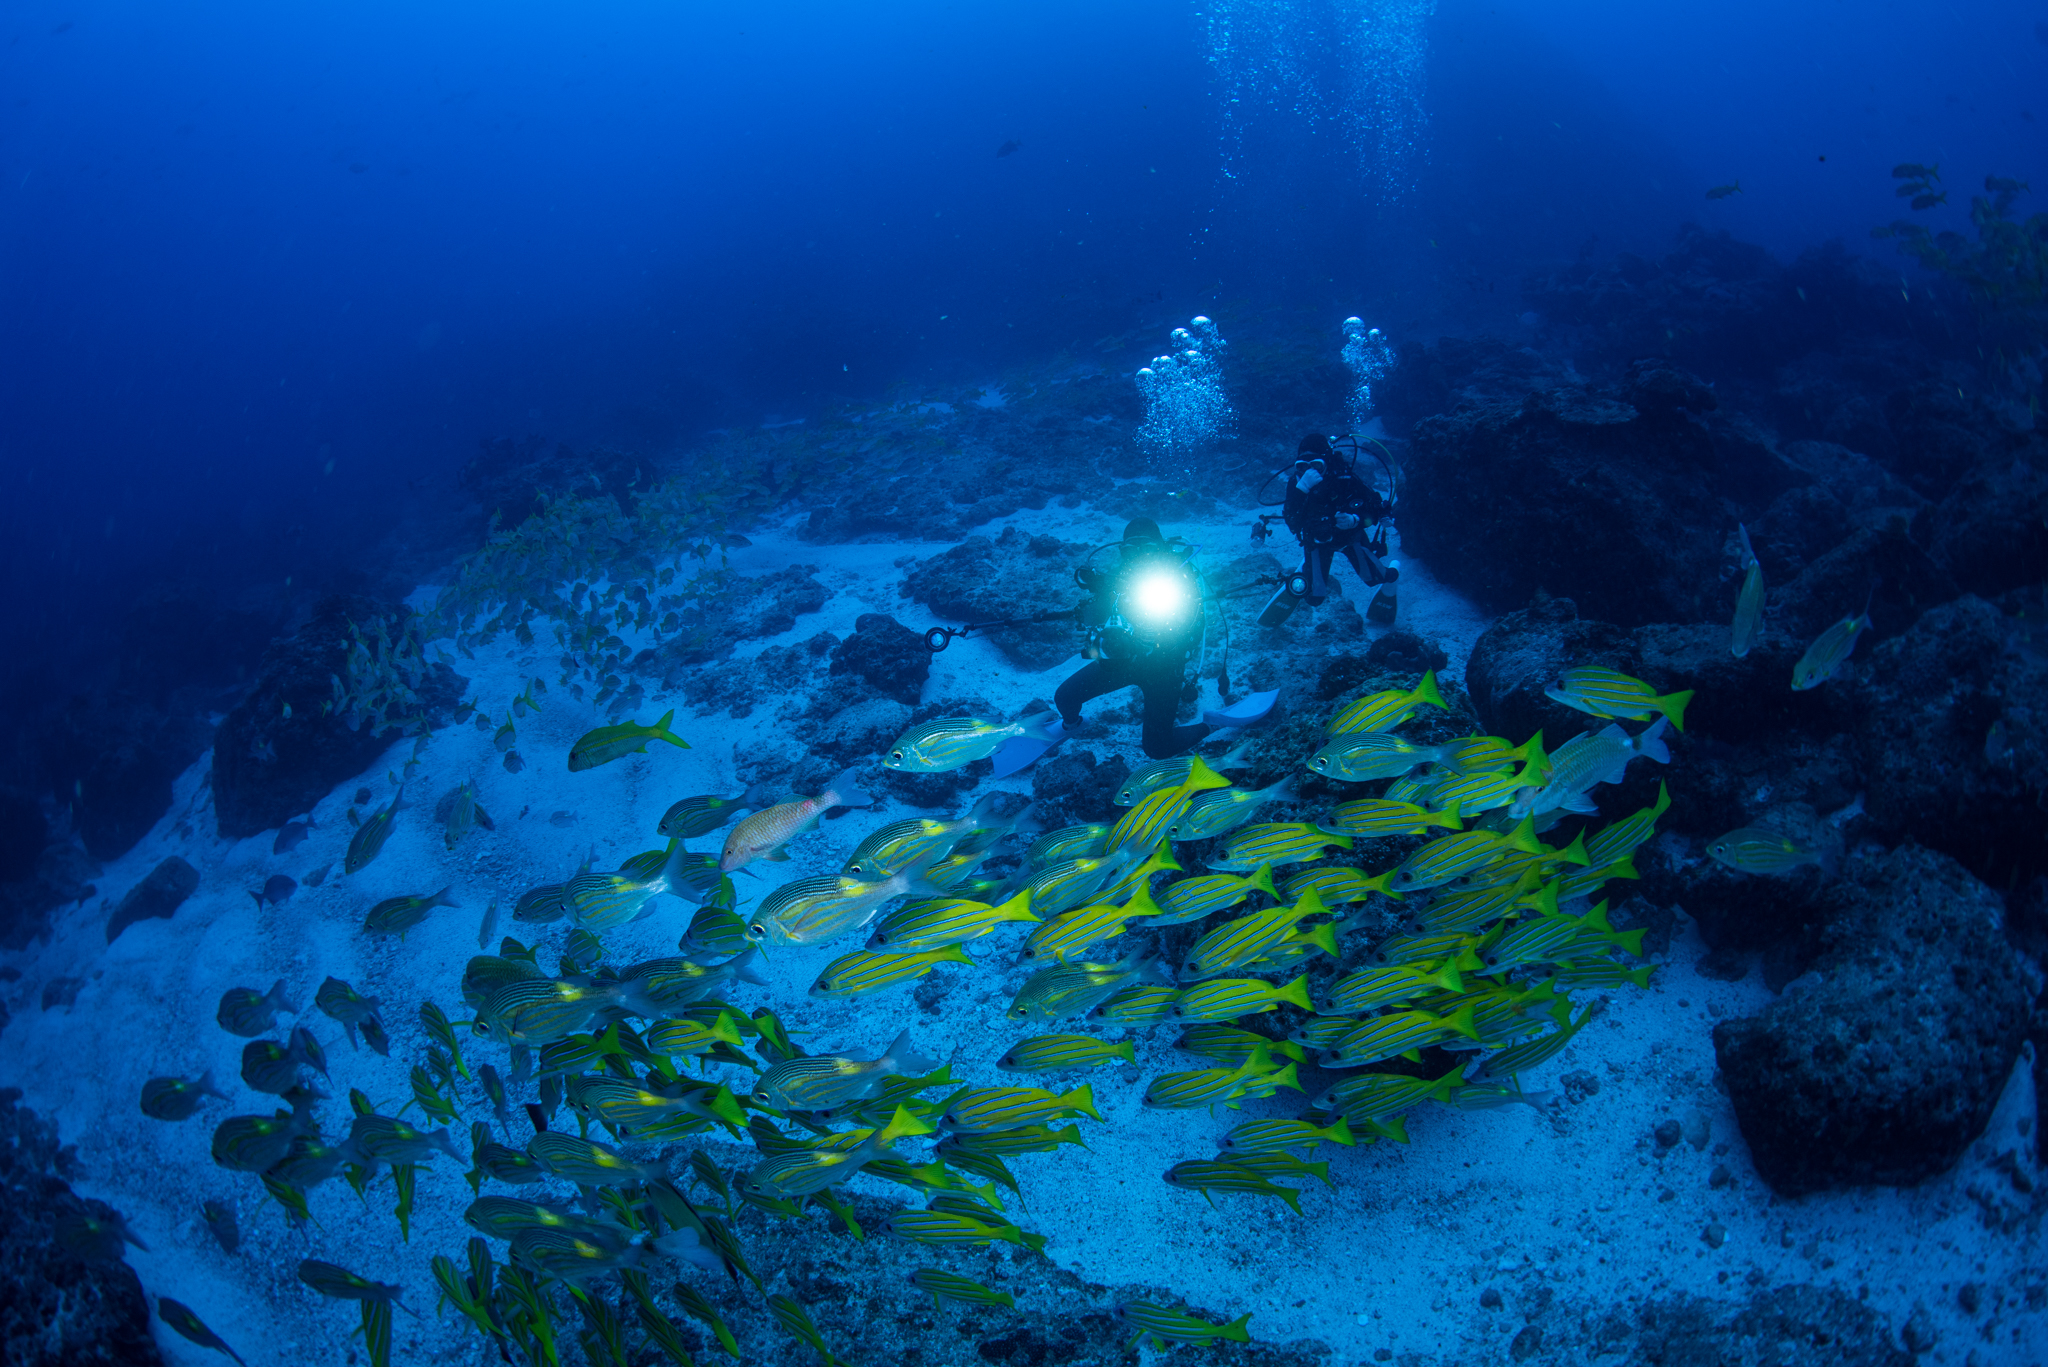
1281, 682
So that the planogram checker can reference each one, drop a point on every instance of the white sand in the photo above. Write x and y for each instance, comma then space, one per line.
1396, 1256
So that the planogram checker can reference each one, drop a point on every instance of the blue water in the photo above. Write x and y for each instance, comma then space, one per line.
241, 245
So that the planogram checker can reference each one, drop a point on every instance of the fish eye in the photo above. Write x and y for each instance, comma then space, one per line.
757, 929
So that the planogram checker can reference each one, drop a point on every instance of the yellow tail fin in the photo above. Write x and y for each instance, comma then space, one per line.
1426, 691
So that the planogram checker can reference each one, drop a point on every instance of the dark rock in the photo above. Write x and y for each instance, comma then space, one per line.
1527, 1343
1458, 371
57, 1309
112, 760
61, 992
1849, 489
267, 767
1717, 306
1523, 653
1489, 1299
1577, 493
1788, 1326
1668, 1133
1880, 565
1918, 1332
1734, 701
1399, 653
1736, 912
1723, 965
158, 895
888, 655
1939, 434
793, 672
1658, 924
951, 473
1579, 1086
721, 612
61, 875
1407, 652
1953, 738
931, 992
867, 1310
1991, 532
1342, 675
1072, 787
1655, 387
861, 731
1014, 575
23, 833
1886, 1069
510, 477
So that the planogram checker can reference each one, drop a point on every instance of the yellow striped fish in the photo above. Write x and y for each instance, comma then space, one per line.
1235, 942
1191, 899
1276, 843
1371, 818
851, 975
1085, 927
1182, 771
1066, 990
934, 922
1228, 998
1009, 1108
1145, 824
1386, 710
1225, 809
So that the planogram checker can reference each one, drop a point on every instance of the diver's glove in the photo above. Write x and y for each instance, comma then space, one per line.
1346, 521
1309, 479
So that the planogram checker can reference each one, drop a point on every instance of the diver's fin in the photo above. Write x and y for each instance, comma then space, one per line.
1247, 712
1019, 753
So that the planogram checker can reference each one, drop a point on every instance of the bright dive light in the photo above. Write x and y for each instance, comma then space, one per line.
1159, 596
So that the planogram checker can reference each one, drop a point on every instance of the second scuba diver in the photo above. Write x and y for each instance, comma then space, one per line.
1144, 618
1331, 509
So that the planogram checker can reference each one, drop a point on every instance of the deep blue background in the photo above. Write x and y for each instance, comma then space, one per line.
268, 273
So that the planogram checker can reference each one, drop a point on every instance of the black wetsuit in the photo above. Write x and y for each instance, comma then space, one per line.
1156, 668
1311, 514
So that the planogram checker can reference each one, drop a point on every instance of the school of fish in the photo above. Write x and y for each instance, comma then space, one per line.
1494, 929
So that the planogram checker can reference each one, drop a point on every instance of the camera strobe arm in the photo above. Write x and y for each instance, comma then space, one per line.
938, 638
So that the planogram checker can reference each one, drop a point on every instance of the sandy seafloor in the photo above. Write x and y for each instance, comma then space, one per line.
1574, 1197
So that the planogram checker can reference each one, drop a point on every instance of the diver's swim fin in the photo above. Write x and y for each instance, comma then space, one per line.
1245, 712
1021, 752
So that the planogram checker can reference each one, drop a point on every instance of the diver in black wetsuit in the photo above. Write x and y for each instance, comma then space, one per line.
1331, 509
1144, 617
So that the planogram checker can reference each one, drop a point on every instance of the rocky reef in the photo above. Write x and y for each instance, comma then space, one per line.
58, 1307
292, 736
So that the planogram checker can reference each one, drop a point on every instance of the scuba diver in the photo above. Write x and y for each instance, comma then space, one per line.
1144, 618
1331, 508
